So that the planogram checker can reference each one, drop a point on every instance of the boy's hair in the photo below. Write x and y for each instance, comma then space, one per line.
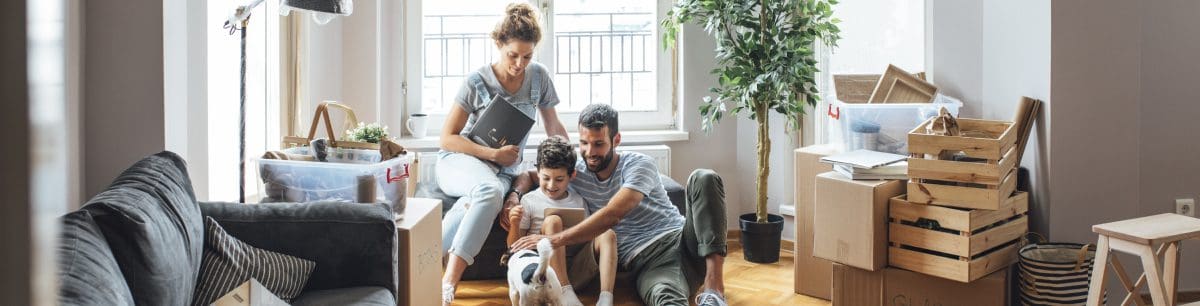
556, 153
597, 116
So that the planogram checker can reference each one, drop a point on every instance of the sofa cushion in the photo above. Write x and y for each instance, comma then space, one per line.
378, 296
151, 221
87, 272
229, 262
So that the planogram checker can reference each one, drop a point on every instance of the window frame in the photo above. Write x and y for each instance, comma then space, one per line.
664, 118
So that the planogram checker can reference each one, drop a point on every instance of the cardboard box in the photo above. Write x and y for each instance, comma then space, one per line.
812, 274
856, 287
419, 235
850, 220
250, 293
899, 287
904, 288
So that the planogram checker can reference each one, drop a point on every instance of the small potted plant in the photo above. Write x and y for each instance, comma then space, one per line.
766, 61
367, 132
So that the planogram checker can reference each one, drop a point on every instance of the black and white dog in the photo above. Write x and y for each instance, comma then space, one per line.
531, 281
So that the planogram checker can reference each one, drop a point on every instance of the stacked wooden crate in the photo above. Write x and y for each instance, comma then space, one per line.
961, 219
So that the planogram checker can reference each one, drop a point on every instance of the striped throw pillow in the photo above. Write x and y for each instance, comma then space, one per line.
229, 262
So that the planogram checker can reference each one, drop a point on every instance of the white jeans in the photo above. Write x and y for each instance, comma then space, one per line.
481, 197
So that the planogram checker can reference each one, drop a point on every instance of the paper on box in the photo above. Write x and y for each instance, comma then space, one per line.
850, 220
249, 293
812, 274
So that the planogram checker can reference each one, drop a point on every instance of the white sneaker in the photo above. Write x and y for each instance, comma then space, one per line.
710, 298
606, 299
447, 294
569, 298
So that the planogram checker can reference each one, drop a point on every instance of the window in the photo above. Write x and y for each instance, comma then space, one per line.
598, 51
874, 35
224, 59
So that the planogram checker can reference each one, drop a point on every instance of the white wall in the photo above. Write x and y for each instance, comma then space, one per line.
1016, 63
991, 53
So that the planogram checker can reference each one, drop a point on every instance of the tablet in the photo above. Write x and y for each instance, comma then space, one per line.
570, 216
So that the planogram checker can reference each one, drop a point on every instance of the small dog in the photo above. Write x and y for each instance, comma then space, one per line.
531, 281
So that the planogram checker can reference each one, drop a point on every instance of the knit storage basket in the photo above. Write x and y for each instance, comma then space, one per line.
1055, 273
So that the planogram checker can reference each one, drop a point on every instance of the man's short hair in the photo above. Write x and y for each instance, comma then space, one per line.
556, 153
596, 116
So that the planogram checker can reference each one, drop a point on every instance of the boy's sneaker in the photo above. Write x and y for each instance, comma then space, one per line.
710, 298
569, 298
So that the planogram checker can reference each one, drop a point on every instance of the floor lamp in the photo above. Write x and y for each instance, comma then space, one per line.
322, 10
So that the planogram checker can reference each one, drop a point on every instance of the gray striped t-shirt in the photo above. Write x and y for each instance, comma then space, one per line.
651, 219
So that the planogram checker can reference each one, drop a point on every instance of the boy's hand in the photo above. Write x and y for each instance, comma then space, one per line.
514, 215
510, 201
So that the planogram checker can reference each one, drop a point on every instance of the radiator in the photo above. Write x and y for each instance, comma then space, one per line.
426, 161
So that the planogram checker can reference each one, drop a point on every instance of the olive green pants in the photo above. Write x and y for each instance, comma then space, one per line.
672, 267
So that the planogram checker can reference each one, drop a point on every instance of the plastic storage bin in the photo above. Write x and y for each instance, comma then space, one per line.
349, 175
882, 127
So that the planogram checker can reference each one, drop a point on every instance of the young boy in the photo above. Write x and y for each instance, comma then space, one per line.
555, 169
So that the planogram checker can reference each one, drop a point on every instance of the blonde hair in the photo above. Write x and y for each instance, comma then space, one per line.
520, 22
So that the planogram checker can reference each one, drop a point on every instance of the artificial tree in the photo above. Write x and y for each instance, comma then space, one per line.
766, 61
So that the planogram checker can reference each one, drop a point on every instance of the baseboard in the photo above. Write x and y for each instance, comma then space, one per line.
736, 236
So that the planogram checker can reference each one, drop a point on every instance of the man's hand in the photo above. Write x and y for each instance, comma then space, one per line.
530, 242
510, 201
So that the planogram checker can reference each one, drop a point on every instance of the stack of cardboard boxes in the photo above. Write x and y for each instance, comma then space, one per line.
853, 250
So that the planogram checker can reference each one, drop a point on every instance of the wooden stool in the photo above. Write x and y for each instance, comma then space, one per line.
1139, 237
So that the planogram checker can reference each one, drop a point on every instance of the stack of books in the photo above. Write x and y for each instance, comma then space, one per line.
869, 165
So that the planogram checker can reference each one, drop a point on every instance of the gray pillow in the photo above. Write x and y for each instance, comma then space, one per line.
87, 272
151, 222
228, 262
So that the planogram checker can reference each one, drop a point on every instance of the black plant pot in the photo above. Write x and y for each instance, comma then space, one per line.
760, 241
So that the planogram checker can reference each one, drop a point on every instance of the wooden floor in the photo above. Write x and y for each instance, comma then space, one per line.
745, 284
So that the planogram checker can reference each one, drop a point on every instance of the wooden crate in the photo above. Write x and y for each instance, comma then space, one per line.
982, 181
957, 244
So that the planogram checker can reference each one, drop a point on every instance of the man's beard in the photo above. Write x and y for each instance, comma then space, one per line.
603, 163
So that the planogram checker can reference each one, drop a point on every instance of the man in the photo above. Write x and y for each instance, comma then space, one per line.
671, 254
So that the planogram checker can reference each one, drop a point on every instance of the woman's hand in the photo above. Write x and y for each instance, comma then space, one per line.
506, 155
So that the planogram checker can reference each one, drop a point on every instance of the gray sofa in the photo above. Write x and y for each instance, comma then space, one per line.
140, 242
495, 245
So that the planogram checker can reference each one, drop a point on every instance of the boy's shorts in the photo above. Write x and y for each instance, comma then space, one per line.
582, 267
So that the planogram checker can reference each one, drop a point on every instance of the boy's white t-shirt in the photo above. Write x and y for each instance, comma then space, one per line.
535, 204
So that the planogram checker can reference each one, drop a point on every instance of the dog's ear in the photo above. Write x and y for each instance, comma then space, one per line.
504, 258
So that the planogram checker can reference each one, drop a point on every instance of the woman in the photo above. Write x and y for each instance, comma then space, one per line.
480, 175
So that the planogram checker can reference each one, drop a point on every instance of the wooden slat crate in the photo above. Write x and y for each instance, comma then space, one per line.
983, 180
952, 243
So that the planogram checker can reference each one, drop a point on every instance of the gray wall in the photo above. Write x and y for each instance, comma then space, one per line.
122, 102
1117, 78
15, 259
1169, 156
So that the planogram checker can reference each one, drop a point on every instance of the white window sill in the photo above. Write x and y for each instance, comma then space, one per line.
431, 143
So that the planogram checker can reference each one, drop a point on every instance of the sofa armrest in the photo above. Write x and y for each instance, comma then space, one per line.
353, 245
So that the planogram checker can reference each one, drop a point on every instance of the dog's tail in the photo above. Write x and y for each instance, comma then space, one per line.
546, 252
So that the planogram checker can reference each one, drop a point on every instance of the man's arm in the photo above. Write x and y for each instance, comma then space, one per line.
604, 219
